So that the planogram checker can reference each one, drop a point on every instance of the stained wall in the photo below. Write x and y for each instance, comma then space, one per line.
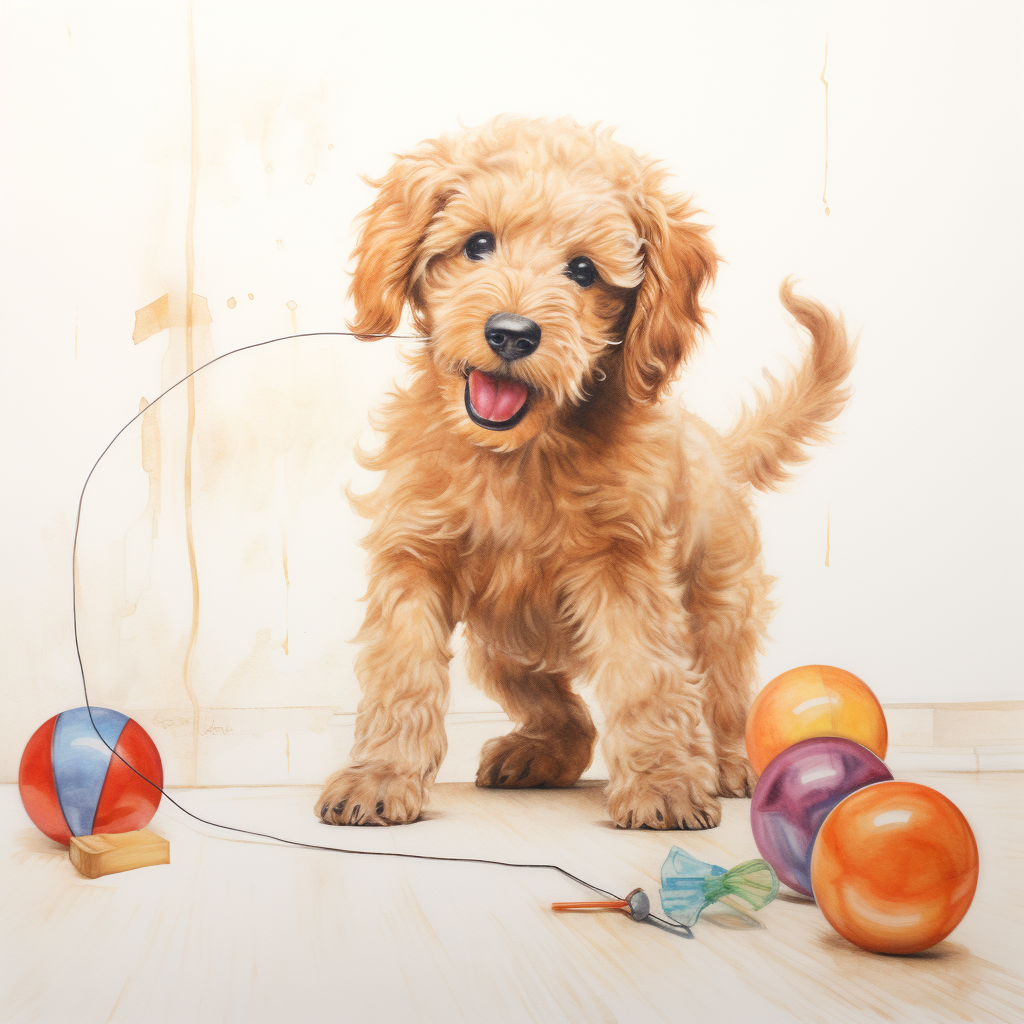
219, 610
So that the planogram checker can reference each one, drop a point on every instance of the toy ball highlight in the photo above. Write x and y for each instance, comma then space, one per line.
71, 784
894, 867
795, 794
815, 700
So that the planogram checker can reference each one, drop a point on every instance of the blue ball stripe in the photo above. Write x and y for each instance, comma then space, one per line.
80, 762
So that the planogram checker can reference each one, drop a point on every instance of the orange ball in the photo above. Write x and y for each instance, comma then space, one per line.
815, 700
894, 867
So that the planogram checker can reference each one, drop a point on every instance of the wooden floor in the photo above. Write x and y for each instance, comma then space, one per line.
248, 931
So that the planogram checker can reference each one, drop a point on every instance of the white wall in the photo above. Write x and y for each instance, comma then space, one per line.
920, 495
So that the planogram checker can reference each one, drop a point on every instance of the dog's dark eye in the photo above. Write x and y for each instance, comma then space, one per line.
479, 245
581, 270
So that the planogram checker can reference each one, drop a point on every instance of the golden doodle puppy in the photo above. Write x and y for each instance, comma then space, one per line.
540, 489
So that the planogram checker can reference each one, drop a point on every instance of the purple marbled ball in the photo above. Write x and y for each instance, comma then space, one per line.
795, 794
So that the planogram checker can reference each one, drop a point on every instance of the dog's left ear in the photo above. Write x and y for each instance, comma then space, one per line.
679, 261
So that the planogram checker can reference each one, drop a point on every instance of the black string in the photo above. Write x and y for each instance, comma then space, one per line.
233, 828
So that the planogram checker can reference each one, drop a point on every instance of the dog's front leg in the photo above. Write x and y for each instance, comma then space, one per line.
657, 747
403, 674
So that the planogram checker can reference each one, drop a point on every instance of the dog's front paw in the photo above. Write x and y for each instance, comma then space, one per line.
641, 803
371, 794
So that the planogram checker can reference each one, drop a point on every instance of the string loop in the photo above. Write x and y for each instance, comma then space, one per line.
233, 828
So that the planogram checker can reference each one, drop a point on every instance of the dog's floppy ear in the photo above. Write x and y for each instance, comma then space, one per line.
679, 261
388, 253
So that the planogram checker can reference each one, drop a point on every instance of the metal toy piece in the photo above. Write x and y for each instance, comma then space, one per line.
636, 905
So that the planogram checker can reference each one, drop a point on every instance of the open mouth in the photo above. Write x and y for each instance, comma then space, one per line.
497, 403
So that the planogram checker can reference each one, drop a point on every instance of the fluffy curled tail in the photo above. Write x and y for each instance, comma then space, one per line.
768, 439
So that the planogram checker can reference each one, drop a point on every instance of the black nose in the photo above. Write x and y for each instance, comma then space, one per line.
511, 336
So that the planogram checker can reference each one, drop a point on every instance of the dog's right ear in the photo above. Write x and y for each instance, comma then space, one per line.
387, 253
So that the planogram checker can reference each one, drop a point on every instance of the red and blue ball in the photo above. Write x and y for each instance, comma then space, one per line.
72, 785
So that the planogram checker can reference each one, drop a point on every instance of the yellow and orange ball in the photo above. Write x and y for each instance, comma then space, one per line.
814, 700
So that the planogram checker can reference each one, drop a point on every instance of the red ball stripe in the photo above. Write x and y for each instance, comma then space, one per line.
37, 785
127, 802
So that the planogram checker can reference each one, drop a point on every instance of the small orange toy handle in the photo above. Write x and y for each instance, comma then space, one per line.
597, 905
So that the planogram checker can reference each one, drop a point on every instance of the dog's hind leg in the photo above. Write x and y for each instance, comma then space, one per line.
728, 678
727, 599
552, 743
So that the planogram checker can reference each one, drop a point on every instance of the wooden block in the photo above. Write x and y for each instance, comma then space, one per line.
110, 852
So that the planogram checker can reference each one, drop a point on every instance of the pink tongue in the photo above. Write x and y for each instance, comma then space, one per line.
495, 398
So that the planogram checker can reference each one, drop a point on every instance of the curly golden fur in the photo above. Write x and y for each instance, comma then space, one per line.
607, 537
